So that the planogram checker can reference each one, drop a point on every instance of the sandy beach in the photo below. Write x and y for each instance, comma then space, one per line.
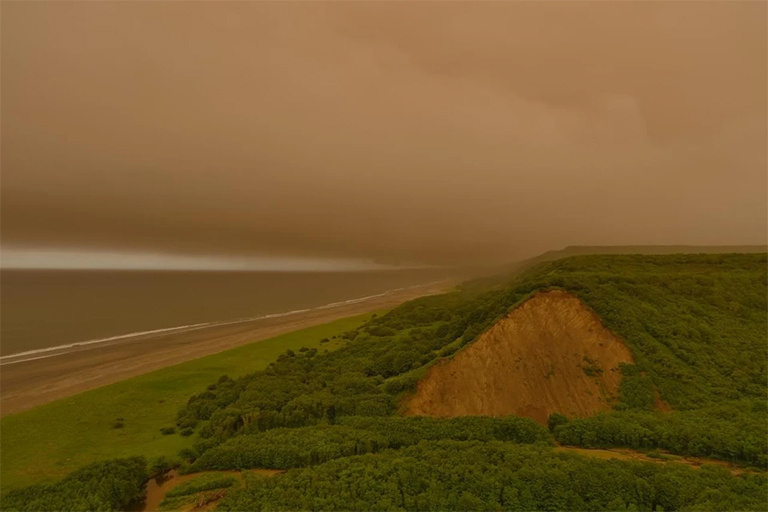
35, 379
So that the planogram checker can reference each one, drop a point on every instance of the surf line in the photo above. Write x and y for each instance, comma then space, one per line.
22, 357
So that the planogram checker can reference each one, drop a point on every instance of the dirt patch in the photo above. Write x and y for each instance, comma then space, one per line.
550, 354
659, 404
599, 453
156, 491
660, 458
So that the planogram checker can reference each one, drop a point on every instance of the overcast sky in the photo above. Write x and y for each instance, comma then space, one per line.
429, 132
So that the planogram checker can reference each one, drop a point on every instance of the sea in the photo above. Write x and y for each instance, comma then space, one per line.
40, 309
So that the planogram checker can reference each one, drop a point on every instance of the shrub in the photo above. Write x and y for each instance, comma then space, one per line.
695, 325
160, 466
591, 367
555, 420
289, 448
450, 475
187, 454
111, 485
202, 483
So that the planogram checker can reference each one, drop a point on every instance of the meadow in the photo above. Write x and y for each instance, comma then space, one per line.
48, 442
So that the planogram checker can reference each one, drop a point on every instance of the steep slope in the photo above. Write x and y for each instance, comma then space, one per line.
551, 354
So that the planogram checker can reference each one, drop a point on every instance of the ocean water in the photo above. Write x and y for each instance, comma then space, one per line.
47, 308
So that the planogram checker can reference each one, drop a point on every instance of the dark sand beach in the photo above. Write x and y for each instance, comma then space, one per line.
35, 379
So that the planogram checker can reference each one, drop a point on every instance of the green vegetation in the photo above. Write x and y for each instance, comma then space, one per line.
50, 441
110, 485
198, 492
728, 433
401, 432
285, 448
381, 361
162, 465
202, 483
288, 448
695, 324
449, 475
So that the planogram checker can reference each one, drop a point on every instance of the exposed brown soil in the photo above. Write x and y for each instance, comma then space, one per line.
659, 404
550, 354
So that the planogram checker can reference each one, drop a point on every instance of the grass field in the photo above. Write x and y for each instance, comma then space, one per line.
47, 442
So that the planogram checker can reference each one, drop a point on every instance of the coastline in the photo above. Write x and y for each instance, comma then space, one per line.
38, 377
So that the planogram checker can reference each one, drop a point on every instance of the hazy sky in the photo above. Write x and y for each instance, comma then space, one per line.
431, 132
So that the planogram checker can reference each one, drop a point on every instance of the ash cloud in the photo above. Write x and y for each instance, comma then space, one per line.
437, 133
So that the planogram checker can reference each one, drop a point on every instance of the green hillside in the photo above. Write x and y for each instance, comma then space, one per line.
696, 326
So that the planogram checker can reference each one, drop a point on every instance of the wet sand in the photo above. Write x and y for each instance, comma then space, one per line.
37, 380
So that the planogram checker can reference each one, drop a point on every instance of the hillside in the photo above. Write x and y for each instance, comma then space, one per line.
549, 355
619, 250
591, 345
590, 250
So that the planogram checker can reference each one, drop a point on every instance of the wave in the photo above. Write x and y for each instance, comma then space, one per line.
58, 350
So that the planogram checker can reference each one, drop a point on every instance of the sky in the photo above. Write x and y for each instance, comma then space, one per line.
421, 133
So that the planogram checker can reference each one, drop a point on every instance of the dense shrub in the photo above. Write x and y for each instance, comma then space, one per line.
161, 465
110, 485
695, 325
555, 420
202, 483
407, 431
498, 476
722, 432
364, 378
290, 448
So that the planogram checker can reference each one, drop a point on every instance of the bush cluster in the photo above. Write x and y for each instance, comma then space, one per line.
111, 485
450, 475
285, 448
695, 325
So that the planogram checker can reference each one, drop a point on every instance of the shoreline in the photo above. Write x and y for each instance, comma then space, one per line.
78, 367
56, 350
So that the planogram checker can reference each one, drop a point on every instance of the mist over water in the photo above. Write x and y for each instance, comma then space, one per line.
308, 135
46, 308
443, 133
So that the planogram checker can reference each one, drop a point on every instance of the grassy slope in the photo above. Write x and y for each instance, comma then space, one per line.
696, 326
49, 441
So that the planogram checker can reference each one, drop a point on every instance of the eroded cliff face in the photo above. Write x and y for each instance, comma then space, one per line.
550, 354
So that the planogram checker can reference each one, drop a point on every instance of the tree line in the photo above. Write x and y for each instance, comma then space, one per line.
454, 475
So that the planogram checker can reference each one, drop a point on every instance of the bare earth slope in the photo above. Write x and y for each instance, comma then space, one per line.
550, 354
